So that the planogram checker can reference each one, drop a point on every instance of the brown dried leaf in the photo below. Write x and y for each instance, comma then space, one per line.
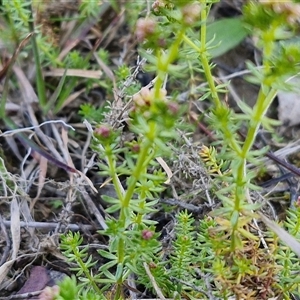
37, 280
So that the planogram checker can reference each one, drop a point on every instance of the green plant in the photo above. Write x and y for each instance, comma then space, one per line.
286, 259
21, 18
18, 18
70, 245
224, 245
152, 120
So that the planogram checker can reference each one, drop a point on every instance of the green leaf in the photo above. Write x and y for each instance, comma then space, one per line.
248, 234
234, 218
107, 254
113, 208
227, 33
111, 200
110, 277
132, 266
104, 268
119, 271
56, 93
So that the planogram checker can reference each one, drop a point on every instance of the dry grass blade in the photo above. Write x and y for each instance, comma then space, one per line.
24, 129
27, 215
27, 142
90, 183
4, 269
154, 284
108, 72
51, 225
7, 71
11, 61
166, 169
43, 164
15, 233
28, 94
48, 156
75, 72
75, 95
282, 234
94, 210
79, 33
70, 162
15, 226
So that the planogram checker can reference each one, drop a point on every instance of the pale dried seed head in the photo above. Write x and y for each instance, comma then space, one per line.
191, 13
145, 28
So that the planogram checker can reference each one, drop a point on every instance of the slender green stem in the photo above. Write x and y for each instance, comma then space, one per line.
259, 110
121, 249
208, 75
263, 102
136, 175
85, 270
143, 181
143, 160
111, 161
262, 105
164, 60
5, 93
160, 74
204, 58
39, 76
192, 44
117, 295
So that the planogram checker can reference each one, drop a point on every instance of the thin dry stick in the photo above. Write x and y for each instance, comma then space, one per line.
84, 167
29, 129
154, 284
6, 249
65, 215
259, 231
51, 225
94, 210
22, 296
